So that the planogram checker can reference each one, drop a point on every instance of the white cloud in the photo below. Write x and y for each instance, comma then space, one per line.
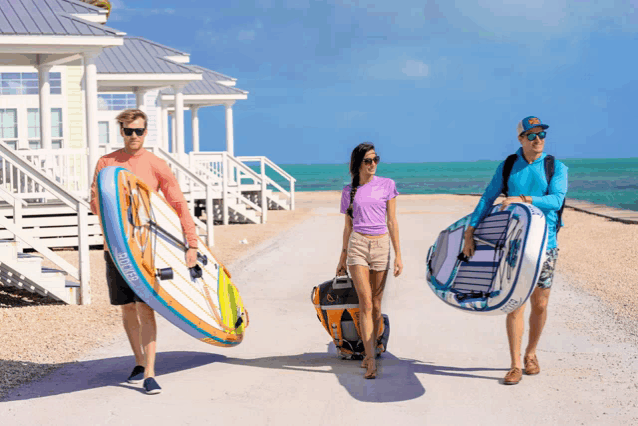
414, 68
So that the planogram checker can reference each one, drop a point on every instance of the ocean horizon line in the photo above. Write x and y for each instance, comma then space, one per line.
445, 162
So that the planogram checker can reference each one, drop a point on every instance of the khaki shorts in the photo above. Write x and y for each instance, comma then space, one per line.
373, 253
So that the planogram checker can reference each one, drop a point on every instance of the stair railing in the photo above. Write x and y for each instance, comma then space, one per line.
80, 206
265, 161
192, 181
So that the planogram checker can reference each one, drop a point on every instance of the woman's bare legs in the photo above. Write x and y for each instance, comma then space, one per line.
369, 285
377, 284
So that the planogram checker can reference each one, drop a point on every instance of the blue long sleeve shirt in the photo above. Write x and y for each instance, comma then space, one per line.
528, 179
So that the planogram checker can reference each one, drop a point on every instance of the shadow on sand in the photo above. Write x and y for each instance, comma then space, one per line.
84, 375
397, 379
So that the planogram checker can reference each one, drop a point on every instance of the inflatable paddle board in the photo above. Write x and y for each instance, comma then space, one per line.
502, 273
146, 242
337, 306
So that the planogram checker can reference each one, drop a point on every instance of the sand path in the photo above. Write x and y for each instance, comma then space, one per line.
442, 367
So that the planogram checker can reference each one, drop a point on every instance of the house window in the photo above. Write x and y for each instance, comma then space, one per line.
55, 80
26, 83
103, 131
116, 101
57, 128
9, 126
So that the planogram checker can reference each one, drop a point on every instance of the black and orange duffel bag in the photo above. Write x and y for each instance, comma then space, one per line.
337, 306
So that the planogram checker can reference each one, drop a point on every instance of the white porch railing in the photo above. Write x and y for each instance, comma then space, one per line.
212, 166
47, 188
194, 183
67, 167
265, 161
213, 163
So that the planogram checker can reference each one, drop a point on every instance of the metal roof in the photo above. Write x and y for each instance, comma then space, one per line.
39, 17
208, 85
76, 6
214, 74
158, 49
138, 56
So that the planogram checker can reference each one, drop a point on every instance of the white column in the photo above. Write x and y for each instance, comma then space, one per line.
195, 127
230, 143
90, 92
164, 127
139, 99
179, 120
45, 105
172, 114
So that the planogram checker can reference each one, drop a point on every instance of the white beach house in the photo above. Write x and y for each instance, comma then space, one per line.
58, 56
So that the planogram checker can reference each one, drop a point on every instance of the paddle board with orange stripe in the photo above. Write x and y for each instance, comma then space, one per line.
145, 239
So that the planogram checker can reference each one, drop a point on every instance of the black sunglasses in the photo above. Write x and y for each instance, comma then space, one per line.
368, 161
128, 131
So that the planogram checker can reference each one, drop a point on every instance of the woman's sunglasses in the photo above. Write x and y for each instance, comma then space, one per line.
368, 161
532, 136
128, 131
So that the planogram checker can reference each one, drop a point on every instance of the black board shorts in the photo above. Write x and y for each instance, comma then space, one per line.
119, 291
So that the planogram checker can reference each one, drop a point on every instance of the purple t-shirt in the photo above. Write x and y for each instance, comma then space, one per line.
369, 206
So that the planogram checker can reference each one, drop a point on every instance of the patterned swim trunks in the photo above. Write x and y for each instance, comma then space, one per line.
547, 272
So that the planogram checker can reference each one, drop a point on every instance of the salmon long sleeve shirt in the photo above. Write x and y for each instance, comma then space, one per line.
154, 172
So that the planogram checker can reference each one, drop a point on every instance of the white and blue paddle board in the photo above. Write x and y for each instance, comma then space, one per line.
502, 273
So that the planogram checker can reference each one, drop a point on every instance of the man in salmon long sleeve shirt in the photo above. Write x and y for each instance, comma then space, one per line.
138, 317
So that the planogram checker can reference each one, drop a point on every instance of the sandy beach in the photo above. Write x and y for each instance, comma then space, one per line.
597, 260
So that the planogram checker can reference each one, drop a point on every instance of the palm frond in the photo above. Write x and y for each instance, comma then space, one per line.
104, 4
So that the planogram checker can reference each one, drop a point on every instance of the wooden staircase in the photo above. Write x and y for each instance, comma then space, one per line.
54, 223
25, 271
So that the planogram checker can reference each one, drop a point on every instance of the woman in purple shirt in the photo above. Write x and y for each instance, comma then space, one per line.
369, 204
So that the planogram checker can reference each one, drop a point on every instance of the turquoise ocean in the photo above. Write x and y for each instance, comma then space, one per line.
613, 182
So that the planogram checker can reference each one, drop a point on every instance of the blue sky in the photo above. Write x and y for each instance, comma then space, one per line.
423, 80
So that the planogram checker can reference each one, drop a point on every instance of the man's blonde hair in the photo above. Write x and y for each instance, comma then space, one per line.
129, 115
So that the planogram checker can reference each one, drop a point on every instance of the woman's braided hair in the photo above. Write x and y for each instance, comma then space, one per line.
358, 154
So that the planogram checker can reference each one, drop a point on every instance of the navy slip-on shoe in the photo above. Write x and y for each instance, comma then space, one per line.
151, 386
137, 375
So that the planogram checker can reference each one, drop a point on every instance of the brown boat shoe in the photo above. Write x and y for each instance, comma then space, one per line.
513, 376
531, 365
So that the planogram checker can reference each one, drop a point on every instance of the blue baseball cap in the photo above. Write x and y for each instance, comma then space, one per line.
529, 123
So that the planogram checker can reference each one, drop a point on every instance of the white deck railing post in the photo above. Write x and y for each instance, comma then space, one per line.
17, 220
264, 196
292, 194
210, 216
83, 252
225, 188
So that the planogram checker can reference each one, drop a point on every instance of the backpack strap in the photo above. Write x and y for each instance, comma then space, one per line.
550, 166
507, 170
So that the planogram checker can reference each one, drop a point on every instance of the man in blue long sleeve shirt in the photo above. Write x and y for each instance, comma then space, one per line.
527, 183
